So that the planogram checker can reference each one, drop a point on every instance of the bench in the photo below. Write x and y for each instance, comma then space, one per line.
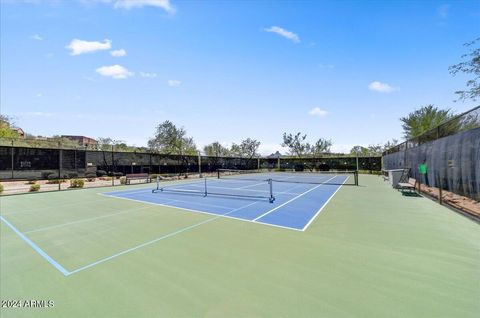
137, 176
410, 185
384, 175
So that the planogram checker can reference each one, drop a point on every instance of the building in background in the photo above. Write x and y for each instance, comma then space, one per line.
275, 155
82, 140
19, 131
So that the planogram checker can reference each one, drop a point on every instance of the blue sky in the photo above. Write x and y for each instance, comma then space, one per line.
225, 70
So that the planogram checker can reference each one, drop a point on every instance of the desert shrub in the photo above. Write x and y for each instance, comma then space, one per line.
101, 173
1, 188
77, 183
123, 180
34, 187
56, 181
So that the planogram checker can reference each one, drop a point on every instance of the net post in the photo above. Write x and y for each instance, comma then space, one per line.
272, 198
205, 186
218, 173
356, 177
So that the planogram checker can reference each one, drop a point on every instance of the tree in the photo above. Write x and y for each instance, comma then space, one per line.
375, 150
298, 147
360, 151
248, 148
424, 119
6, 130
389, 144
104, 143
169, 139
296, 144
320, 147
470, 66
215, 149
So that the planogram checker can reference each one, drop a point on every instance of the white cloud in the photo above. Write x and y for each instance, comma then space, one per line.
148, 75
285, 33
442, 11
118, 53
36, 37
35, 114
114, 71
381, 87
329, 66
129, 4
317, 111
78, 47
174, 83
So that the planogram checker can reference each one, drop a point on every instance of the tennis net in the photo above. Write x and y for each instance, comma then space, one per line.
207, 187
308, 177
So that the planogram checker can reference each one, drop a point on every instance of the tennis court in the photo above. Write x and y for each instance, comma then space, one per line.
287, 200
290, 200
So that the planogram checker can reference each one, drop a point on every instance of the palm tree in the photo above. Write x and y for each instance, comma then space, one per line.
424, 119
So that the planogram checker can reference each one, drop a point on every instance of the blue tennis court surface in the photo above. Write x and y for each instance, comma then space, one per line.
297, 201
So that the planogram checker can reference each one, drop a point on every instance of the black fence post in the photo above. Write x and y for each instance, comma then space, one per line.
13, 161
113, 173
60, 155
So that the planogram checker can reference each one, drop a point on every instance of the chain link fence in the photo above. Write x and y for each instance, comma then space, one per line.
54, 168
451, 153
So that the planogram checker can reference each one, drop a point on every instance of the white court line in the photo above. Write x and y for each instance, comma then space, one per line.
324, 205
176, 207
153, 241
36, 248
204, 204
83, 220
197, 211
293, 199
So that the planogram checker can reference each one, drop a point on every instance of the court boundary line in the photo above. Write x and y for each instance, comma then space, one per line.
198, 211
323, 206
36, 248
291, 200
46, 228
181, 230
